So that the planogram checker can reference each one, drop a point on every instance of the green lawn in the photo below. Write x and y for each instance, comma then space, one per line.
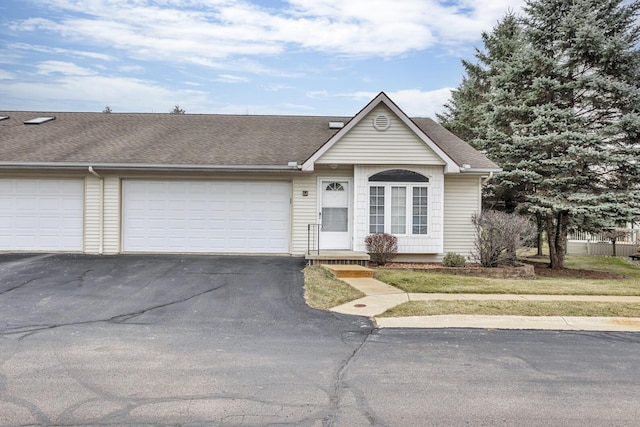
323, 291
426, 282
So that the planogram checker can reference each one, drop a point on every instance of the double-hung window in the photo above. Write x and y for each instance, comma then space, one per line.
398, 202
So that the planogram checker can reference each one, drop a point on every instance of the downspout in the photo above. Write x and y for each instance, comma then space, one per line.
94, 173
487, 179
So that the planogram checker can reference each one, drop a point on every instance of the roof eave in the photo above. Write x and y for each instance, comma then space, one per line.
69, 166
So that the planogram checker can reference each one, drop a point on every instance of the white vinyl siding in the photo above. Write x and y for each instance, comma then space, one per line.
366, 145
408, 243
462, 199
111, 214
206, 216
305, 208
92, 215
41, 214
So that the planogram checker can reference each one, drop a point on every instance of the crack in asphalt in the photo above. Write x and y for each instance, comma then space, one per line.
340, 386
28, 331
20, 285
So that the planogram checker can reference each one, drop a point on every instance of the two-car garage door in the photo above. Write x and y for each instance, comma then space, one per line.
157, 215
206, 216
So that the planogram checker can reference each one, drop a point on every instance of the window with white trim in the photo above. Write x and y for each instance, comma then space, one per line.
398, 202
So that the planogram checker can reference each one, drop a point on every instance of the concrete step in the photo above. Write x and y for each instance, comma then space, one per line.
342, 271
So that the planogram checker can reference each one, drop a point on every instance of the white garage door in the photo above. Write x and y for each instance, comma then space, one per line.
41, 214
206, 216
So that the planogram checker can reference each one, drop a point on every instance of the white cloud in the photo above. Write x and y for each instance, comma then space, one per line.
414, 102
5, 75
208, 32
69, 52
228, 78
417, 103
64, 68
121, 94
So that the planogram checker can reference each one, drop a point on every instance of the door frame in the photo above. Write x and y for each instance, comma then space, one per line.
320, 191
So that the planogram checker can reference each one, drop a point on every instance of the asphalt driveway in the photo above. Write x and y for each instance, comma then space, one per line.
207, 340
253, 294
166, 339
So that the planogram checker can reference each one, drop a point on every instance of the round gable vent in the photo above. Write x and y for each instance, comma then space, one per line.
381, 122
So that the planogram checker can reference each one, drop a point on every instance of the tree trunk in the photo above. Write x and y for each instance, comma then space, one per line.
540, 221
557, 230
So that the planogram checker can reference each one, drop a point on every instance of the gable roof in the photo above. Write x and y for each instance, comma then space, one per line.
199, 141
457, 155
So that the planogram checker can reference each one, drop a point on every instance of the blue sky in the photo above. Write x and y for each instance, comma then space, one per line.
302, 57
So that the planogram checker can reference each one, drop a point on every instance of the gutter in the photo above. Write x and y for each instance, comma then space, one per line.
471, 170
292, 167
94, 173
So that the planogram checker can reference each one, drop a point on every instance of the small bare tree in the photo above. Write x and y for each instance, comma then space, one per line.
498, 237
614, 235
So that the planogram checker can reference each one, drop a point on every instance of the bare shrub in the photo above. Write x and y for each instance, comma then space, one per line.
381, 247
498, 236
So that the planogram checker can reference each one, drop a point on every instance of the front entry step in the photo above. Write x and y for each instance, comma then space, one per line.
349, 271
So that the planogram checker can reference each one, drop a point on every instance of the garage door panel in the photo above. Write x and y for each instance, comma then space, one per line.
201, 216
41, 214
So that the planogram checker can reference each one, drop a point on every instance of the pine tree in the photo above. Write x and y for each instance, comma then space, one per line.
575, 117
464, 111
561, 116
471, 103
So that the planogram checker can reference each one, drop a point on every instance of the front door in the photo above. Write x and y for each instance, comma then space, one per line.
334, 214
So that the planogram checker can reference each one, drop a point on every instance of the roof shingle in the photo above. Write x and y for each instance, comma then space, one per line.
186, 139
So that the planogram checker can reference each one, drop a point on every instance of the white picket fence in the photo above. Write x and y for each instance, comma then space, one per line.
582, 243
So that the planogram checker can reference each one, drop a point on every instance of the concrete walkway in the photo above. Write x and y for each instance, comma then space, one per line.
381, 297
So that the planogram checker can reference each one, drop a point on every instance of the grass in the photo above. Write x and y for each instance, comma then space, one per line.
323, 291
515, 308
426, 282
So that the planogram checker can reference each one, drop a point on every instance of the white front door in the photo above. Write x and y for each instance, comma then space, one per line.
334, 215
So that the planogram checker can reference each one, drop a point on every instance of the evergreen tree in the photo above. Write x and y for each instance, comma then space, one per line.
561, 116
464, 111
577, 141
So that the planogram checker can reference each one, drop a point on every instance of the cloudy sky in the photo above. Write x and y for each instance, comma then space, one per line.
307, 57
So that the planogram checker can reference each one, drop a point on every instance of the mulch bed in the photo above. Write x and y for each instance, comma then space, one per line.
543, 270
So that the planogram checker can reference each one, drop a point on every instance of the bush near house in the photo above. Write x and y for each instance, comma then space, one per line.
498, 237
452, 259
381, 247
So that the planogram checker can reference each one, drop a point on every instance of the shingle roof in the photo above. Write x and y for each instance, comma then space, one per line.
162, 138
461, 152
186, 139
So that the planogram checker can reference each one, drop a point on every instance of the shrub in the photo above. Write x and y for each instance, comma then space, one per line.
498, 236
381, 247
452, 259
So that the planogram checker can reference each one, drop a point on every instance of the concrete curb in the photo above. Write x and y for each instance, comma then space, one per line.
613, 324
